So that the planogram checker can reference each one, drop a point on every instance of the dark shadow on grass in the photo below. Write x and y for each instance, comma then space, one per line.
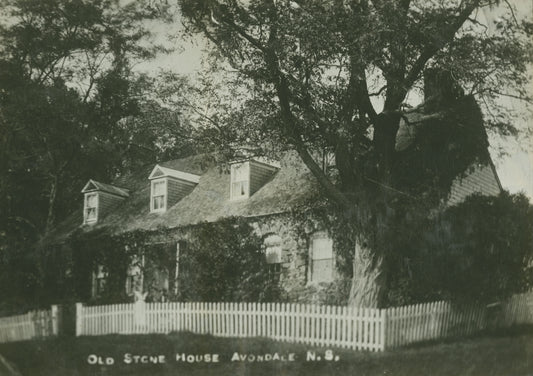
513, 331
499, 352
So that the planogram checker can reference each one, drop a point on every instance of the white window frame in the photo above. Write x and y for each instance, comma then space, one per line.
86, 219
239, 183
152, 197
312, 277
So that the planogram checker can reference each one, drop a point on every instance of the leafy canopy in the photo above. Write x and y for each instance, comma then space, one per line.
338, 75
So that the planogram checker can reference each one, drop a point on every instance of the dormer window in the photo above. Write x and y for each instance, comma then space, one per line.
159, 195
91, 208
100, 199
240, 180
168, 186
249, 176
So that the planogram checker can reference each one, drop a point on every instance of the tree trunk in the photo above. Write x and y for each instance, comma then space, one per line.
368, 278
374, 215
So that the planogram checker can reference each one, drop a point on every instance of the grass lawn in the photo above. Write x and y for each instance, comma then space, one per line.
502, 354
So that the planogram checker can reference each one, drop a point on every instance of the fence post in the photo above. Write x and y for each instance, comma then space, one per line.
55, 319
79, 319
383, 328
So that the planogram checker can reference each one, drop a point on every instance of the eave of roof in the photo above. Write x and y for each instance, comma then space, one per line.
169, 172
108, 188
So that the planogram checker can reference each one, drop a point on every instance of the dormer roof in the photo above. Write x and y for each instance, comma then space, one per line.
94, 186
161, 172
262, 160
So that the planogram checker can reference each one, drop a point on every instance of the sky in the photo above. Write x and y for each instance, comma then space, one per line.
515, 169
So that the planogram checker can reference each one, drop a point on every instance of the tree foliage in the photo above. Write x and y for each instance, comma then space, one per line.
338, 76
71, 109
224, 261
477, 251
68, 96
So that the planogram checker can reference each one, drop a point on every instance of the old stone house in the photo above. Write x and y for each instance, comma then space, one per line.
166, 200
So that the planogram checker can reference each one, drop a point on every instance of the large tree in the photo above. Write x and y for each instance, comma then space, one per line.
67, 96
337, 76
71, 108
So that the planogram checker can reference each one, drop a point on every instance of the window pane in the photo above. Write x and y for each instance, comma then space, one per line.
91, 201
240, 188
273, 254
159, 188
322, 248
273, 249
159, 202
322, 270
91, 213
239, 172
274, 272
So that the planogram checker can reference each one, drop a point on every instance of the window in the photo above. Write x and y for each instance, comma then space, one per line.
322, 261
99, 282
159, 192
240, 178
91, 206
273, 256
274, 272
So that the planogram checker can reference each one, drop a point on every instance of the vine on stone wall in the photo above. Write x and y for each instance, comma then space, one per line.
222, 261
225, 261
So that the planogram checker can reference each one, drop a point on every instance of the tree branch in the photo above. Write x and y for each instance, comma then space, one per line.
446, 37
291, 131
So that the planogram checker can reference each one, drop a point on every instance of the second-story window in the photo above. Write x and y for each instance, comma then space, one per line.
159, 192
240, 178
91, 206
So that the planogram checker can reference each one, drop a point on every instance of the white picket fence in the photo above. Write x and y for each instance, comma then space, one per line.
34, 324
310, 324
354, 328
438, 320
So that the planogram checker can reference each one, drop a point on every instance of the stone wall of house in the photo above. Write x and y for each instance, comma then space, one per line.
295, 238
294, 249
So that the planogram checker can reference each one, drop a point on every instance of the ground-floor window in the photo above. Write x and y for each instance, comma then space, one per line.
273, 256
322, 262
